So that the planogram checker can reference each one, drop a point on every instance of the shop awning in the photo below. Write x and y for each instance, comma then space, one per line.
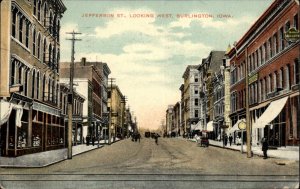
270, 113
196, 126
210, 126
236, 126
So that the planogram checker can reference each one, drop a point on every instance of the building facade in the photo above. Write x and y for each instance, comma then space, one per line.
30, 53
272, 64
191, 97
212, 92
90, 79
169, 120
77, 119
177, 119
116, 105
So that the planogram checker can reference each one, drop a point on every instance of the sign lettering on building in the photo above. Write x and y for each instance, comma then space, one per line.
292, 35
44, 108
253, 78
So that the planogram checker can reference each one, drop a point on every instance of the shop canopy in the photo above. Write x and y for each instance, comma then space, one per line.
236, 126
270, 113
196, 126
210, 126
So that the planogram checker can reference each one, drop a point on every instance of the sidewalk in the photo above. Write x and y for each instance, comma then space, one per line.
288, 153
43, 159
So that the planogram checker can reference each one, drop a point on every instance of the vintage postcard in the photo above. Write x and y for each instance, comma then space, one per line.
149, 94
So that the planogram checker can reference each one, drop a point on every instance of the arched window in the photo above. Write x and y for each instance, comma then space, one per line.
39, 46
14, 22
44, 85
33, 42
13, 73
20, 74
21, 29
26, 82
50, 54
54, 26
53, 59
44, 50
49, 89
33, 84
50, 22
39, 10
58, 30
27, 34
34, 7
45, 14
37, 85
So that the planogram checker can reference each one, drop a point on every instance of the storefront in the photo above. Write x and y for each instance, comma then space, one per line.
29, 127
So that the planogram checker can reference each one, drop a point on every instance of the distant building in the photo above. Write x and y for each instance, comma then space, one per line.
30, 53
191, 97
177, 118
90, 80
77, 119
212, 92
116, 104
169, 120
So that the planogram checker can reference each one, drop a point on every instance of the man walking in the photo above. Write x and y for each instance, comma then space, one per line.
230, 139
265, 147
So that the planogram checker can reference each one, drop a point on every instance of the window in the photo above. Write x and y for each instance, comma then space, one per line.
20, 75
44, 50
37, 85
275, 81
33, 84
33, 42
270, 48
14, 20
275, 44
45, 14
280, 84
34, 7
39, 10
196, 113
287, 27
263, 54
39, 46
50, 54
196, 101
196, 79
27, 35
13, 73
44, 85
287, 77
281, 39
296, 22
58, 30
296, 70
21, 29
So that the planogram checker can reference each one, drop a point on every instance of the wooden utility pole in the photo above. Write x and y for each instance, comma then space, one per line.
248, 125
70, 95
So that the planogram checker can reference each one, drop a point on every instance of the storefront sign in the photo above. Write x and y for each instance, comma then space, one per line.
253, 78
242, 125
21, 97
292, 35
45, 108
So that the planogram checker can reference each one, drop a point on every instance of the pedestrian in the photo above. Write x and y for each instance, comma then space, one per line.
223, 140
93, 140
156, 139
87, 140
226, 139
265, 147
230, 139
139, 137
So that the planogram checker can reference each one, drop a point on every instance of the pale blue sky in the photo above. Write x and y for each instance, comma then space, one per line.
148, 56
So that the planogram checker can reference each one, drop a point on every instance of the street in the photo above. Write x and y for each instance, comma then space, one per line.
174, 162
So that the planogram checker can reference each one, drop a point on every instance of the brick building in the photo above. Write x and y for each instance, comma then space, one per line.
30, 52
273, 69
90, 79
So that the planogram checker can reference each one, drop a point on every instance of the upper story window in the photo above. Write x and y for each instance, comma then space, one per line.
296, 21
281, 39
39, 7
45, 14
287, 27
34, 42
196, 79
34, 6
275, 47
296, 70
27, 35
21, 29
14, 22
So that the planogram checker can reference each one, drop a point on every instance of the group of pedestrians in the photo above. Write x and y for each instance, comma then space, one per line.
226, 138
136, 137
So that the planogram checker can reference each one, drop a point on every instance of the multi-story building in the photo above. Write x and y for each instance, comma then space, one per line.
182, 120
212, 89
128, 123
169, 120
77, 119
116, 105
191, 97
177, 118
30, 51
90, 79
273, 69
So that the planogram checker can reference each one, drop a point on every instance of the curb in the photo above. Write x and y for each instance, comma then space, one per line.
46, 165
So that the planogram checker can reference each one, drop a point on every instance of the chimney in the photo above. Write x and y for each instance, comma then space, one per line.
83, 60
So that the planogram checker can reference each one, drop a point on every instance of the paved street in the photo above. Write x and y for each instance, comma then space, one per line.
173, 163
